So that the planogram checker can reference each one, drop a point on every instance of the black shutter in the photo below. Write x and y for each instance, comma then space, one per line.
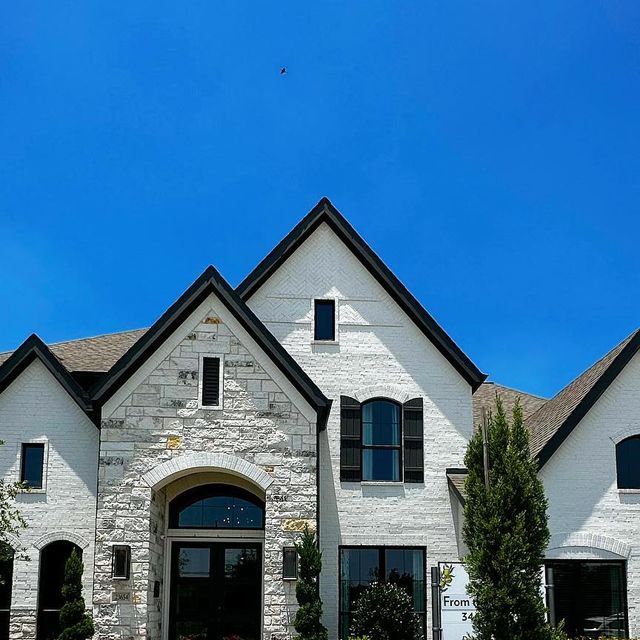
210, 382
350, 440
413, 441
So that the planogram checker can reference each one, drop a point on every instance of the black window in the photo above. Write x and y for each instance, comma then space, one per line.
6, 584
360, 566
32, 471
216, 506
52, 562
381, 441
628, 463
289, 563
375, 437
324, 327
590, 596
210, 382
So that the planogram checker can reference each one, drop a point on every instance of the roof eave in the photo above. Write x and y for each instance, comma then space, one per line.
34, 348
326, 212
584, 406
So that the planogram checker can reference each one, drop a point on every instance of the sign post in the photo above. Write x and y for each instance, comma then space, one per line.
456, 605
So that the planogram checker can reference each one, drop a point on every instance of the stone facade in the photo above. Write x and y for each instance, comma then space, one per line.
158, 420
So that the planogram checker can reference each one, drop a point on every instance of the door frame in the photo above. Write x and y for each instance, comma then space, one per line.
231, 536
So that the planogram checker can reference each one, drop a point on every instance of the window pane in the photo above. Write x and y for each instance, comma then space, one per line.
289, 563
324, 320
381, 465
32, 465
193, 562
589, 597
381, 423
628, 461
405, 567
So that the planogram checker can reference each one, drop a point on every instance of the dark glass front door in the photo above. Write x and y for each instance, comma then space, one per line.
216, 591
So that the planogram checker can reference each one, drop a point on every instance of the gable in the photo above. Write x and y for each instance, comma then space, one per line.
210, 289
324, 218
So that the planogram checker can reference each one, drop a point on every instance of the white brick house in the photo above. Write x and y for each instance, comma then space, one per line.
182, 461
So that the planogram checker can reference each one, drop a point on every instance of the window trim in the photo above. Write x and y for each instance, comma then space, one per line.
399, 447
381, 549
45, 463
336, 307
201, 405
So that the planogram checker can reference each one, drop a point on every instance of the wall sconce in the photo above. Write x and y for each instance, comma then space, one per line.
120, 561
289, 563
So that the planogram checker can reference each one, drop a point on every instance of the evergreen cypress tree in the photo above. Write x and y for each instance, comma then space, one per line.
75, 622
307, 619
506, 531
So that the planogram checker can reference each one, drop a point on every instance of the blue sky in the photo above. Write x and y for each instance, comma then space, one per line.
487, 151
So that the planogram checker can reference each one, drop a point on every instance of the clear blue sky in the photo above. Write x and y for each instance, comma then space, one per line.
488, 151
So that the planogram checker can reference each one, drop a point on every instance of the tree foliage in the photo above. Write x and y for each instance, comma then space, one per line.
75, 622
384, 611
307, 621
11, 521
506, 531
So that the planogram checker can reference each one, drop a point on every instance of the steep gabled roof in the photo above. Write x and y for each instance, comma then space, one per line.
211, 282
485, 398
31, 349
98, 353
556, 419
325, 212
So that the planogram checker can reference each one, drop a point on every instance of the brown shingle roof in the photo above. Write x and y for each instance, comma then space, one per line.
99, 353
577, 397
485, 397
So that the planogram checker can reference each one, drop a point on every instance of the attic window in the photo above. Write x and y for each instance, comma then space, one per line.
210, 371
324, 320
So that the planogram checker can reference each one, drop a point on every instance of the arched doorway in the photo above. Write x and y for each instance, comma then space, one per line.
6, 584
52, 562
215, 537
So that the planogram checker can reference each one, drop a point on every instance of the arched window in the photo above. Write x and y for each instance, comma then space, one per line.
6, 583
216, 506
628, 463
52, 561
381, 440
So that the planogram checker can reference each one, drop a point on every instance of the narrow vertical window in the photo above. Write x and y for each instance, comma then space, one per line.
324, 320
289, 563
32, 467
120, 562
210, 382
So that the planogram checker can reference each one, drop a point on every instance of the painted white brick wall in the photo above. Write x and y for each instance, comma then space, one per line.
589, 517
377, 344
36, 407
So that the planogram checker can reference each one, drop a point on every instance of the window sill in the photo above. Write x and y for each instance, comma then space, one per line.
325, 342
31, 491
382, 483
629, 491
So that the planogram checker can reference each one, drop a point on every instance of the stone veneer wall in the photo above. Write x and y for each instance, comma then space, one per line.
160, 420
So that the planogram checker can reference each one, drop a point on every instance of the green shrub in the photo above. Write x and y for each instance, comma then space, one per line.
75, 622
384, 611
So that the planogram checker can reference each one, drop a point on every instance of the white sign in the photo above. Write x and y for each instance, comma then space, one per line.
456, 606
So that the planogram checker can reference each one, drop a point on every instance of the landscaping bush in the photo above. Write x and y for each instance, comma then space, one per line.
75, 622
384, 611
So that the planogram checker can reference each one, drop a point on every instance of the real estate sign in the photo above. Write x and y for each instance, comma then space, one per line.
456, 606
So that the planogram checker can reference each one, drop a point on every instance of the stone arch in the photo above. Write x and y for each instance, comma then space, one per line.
180, 466
54, 536
590, 540
391, 391
623, 434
